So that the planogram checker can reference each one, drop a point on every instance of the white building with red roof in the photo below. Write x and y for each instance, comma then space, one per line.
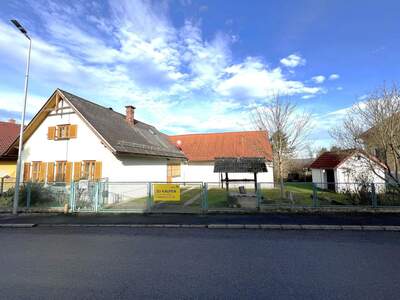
343, 170
202, 149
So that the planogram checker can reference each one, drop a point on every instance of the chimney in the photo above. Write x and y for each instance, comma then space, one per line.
11, 121
130, 115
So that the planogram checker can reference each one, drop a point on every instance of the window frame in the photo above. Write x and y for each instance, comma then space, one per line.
64, 169
67, 135
35, 171
174, 170
88, 174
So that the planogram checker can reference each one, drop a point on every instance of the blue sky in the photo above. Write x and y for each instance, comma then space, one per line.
201, 66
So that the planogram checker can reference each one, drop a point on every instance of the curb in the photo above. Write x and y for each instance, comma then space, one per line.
305, 227
17, 225
224, 226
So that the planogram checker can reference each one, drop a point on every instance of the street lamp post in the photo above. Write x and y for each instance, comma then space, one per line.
21, 131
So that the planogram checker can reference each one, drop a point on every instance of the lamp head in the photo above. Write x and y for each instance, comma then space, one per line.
20, 28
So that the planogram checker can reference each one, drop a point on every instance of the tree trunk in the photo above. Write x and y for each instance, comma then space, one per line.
280, 175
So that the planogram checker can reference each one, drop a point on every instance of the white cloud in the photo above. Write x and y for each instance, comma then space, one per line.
134, 55
318, 79
334, 76
308, 96
13, 102
252, 79
293, 60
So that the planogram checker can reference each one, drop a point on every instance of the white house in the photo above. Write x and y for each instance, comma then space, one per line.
202, 149
71, 138
344, 170
74, 140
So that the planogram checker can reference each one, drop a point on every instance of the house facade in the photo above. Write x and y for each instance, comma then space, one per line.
9, 131
72, 139
346, 170
202, 150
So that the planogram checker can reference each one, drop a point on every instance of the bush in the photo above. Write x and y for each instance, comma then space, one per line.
362, 196
40, 195
232, 201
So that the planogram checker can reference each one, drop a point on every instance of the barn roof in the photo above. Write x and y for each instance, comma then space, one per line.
208, 146
239, 165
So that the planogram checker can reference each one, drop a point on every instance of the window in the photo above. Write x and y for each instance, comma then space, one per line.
36, 170
27, 172
88, 169
60, 171
174, 170
62, 132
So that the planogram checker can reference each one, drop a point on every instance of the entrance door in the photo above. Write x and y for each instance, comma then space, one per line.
330, 179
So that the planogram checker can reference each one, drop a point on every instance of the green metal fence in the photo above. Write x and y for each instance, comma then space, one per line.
197, 197
34, 195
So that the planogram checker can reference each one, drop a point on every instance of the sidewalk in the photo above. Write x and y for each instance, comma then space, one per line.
209, 220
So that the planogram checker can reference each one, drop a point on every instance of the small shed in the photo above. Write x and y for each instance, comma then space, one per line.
341, 170
226, 165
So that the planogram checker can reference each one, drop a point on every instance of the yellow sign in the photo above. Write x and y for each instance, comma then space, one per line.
167, 192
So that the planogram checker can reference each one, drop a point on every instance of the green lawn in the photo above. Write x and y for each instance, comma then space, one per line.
294, 194
217, 197
302, 194
134, 203
189, 193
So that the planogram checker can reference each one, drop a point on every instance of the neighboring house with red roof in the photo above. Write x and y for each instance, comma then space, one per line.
339, 170
9, 132
202, 149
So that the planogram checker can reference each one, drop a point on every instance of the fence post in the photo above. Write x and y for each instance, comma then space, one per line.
374, 199
72, 196
258, 196
205, 198
315, 196
96, 197
149, 197
2, 186
28, 195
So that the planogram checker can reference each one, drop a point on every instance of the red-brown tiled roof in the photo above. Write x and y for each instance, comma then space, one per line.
208, 146
330, 160
333, 159
8, 133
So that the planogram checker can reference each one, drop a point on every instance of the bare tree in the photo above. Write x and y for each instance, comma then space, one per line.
288, 128
373, 126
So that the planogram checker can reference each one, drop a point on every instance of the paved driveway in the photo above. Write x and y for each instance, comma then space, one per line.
127, 263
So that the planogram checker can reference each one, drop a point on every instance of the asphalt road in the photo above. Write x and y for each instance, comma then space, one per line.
269, 218
128, 263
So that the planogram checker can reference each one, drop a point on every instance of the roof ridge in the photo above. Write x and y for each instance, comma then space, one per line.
91, 102
215, 133
101, 106
6, 122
